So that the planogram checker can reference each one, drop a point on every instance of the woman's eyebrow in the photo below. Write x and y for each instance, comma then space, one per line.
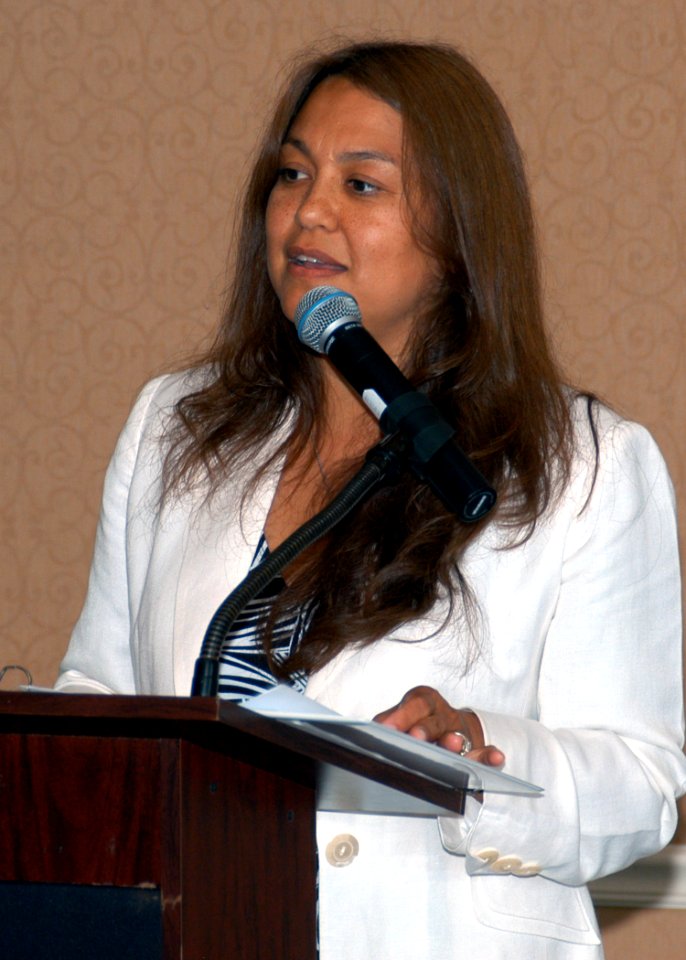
347, 156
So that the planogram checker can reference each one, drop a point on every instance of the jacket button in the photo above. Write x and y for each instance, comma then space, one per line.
506, 864
342, 850
488, 855
529, 869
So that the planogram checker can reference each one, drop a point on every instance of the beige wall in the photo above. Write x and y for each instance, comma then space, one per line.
125, 129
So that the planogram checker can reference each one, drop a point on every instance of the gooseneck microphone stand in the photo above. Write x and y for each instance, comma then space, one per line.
384, 463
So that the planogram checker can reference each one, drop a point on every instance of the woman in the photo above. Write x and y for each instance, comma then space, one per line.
391, 171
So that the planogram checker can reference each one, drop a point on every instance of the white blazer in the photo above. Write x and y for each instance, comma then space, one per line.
577, 679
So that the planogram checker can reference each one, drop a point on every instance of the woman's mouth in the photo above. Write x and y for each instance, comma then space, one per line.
313, 260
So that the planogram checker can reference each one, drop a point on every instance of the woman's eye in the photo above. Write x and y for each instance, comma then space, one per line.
363, 187
290, 175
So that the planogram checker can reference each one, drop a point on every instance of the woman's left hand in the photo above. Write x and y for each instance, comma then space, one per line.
426, 715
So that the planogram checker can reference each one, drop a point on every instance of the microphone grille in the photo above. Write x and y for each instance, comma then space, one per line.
320, 311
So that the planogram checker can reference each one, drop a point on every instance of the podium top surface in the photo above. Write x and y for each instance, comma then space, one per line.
345, 779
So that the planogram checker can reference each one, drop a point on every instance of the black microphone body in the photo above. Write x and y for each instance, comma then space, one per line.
328, 320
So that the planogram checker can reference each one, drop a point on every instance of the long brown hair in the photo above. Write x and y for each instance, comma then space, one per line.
480, 352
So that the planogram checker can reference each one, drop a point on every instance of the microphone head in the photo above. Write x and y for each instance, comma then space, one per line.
320, 312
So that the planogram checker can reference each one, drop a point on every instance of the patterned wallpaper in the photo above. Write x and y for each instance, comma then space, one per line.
126, 130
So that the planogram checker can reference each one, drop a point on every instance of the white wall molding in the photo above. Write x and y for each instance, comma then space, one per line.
658, 882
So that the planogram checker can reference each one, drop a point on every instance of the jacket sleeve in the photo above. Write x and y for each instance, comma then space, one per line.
606, 745
98, 659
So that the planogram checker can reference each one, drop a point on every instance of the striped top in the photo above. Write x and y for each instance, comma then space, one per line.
243, 668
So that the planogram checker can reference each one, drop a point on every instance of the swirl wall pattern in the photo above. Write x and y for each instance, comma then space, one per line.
127, 129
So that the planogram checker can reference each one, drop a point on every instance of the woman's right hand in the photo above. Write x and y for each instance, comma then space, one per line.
423, 713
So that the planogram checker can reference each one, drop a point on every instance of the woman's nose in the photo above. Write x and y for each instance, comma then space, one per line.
318, 208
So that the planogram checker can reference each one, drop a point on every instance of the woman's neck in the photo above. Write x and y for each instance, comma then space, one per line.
308, 480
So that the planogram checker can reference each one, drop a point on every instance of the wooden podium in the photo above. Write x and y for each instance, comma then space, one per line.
161, 828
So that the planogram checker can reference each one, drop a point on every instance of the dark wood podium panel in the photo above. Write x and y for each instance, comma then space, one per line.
261, 829
198, 817
73, 815
156, 799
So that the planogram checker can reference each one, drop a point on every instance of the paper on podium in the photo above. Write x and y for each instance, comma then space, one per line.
373, 739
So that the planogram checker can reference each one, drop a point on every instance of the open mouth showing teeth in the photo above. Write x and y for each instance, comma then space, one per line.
304, 259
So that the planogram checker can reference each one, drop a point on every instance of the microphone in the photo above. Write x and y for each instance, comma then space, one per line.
329, 321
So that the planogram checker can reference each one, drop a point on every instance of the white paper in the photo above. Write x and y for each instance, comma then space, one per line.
286, 704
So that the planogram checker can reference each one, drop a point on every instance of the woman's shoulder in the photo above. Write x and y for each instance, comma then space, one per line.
613, 453
601, 431
153, 412
151, 419
164, 391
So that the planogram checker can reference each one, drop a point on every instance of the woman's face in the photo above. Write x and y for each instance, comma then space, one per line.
338, 213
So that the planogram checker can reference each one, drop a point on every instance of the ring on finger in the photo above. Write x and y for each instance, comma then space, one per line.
466, 743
